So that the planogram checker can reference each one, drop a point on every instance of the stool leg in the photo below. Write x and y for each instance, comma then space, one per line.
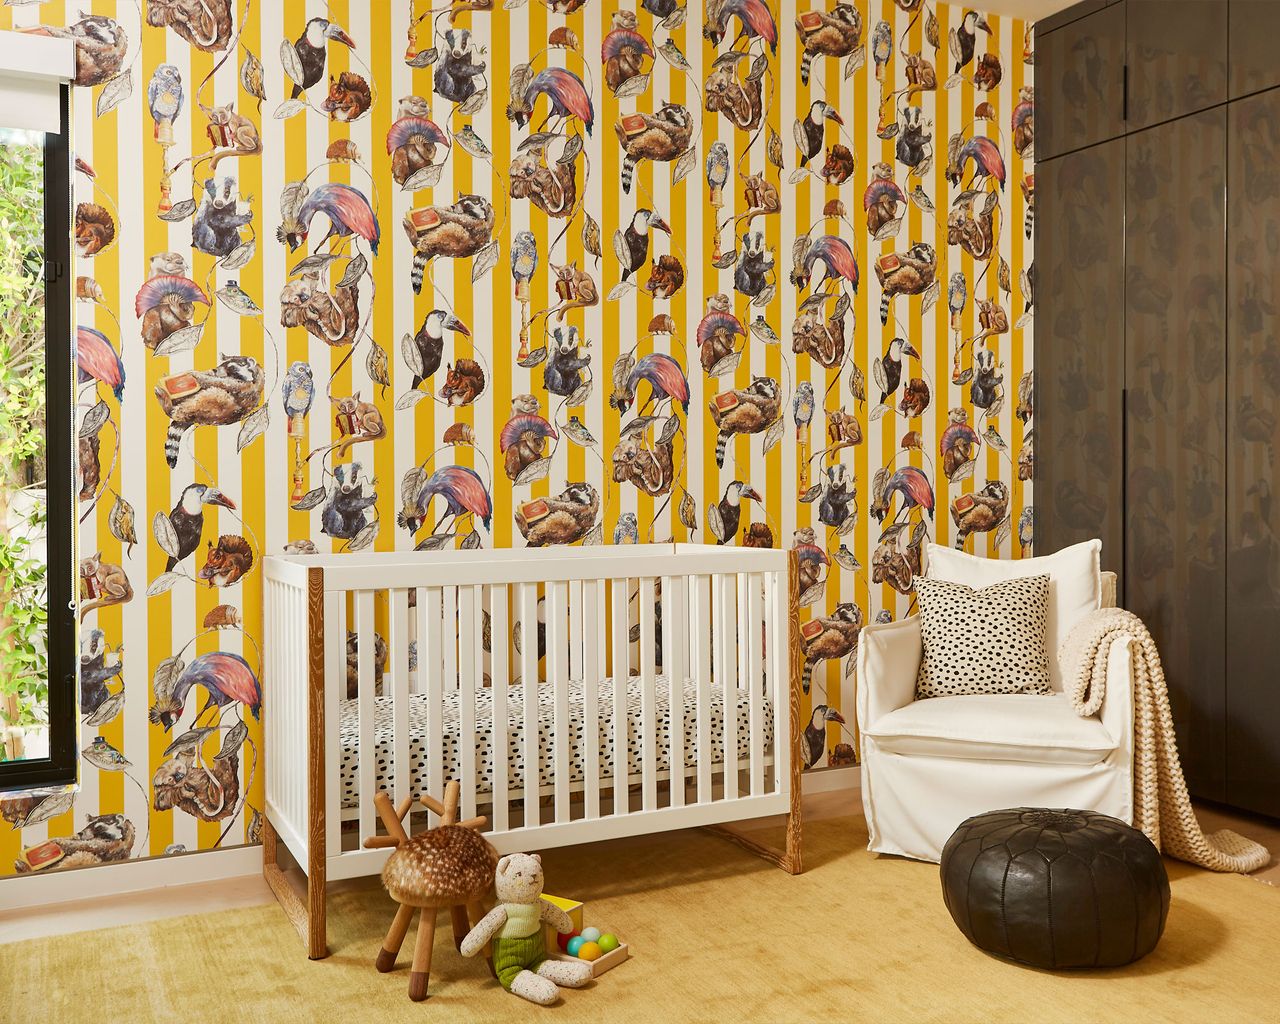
395, 939
421, 970
458, 912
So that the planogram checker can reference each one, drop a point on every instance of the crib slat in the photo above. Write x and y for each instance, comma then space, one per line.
399, 689
576, 646
673, 668
431, 660
620, 670
529, 694
726, 678
335, 689
449, 636
648, 698
702, 630
755, 678
593, 669
558, 676
470, 658
499, 642
365, 699
775, 644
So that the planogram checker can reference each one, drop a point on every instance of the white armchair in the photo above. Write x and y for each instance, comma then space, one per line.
928, 765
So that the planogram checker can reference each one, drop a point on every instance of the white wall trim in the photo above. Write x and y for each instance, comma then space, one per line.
20, 892
827, 780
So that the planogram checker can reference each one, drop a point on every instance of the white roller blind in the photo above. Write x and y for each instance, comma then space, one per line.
32, 68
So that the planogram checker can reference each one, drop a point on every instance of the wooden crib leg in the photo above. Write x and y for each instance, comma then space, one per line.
395, 939
421, 970
301, 911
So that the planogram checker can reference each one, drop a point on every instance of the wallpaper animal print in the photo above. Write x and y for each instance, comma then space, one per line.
394, 276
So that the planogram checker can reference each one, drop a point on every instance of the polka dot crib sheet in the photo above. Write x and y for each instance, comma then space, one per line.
349, 734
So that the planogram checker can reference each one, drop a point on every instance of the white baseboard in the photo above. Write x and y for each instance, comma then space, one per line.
21, 892
39, 890
827, 780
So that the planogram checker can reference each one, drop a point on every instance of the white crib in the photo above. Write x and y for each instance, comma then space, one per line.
668, 697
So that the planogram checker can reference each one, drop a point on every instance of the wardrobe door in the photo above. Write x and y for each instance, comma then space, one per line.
1252, 29
1081, 66
1175, 363
1080, 350
1177, 57
1253, 440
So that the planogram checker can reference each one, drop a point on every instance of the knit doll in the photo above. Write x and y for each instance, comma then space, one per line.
515, 928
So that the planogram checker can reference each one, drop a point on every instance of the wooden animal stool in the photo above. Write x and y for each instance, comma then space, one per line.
450, 865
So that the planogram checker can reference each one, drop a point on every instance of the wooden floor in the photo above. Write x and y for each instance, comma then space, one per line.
133, 908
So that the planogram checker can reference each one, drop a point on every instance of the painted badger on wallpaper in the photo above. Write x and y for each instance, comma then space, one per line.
456, 231
459, 66
344, 514
564, 519
225, 394
217, 224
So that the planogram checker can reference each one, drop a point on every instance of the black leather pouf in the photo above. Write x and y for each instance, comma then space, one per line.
1055, 889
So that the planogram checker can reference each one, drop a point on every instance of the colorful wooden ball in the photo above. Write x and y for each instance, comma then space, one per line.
591, 934
608, 942
563, 939
589, 951
575, 945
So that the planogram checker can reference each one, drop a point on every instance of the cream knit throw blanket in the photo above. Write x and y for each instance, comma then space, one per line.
1161, 805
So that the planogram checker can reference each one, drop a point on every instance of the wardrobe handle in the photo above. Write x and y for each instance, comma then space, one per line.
1124, 94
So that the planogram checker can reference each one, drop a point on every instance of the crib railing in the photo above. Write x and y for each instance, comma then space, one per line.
562, 627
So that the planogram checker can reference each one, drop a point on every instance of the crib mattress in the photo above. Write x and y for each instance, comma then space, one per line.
349, 735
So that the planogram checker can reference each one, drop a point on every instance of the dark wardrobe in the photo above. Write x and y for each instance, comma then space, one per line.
1157, 251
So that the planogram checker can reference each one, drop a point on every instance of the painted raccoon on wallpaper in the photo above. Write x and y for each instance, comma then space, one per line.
225, 394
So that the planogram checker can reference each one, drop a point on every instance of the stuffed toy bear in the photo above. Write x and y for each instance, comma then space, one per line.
515, 928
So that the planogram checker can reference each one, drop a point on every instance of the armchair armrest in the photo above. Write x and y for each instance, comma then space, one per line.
888, 662
1117, 707
1108, 590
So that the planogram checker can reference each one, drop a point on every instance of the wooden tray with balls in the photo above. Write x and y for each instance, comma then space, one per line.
603, 950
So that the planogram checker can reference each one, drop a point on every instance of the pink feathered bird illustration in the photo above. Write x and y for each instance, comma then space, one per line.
753, 15
348, 211
911, 483
227, 677
96, 359
460, 487
987, 161
836, 257
663, 374
568, 96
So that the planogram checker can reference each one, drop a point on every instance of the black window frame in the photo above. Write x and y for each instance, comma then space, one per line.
60, 767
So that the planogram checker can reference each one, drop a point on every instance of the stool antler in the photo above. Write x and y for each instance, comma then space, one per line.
450, 865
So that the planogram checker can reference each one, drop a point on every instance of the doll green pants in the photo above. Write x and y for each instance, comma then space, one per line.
511, 956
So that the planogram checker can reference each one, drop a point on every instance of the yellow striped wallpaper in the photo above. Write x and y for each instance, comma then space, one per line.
394, 276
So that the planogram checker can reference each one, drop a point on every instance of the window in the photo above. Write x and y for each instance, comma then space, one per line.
38, 630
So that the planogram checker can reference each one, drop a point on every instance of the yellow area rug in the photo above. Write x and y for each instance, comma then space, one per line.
716, 935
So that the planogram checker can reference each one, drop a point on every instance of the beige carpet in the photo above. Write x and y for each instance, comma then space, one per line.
716, 935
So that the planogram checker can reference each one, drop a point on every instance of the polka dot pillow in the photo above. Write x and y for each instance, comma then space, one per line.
983, 641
